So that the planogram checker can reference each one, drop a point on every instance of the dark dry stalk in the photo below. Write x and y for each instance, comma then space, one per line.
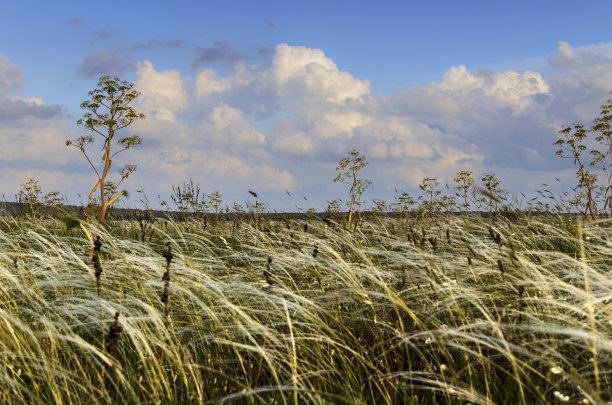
166, 277
268, 274
114, 331
522, 304
501, 266
95, 258
434, 243
96, 264
495, 236
431, 280
113, 335
315, 253
98, 273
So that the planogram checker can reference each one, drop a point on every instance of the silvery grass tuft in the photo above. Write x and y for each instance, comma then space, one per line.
365, 316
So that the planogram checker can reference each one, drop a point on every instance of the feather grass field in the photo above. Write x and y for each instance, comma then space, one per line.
396, 311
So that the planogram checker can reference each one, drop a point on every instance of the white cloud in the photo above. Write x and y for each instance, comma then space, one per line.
339, 124
208, 82
49, 179
28, 100
296, 143
582, 79
216, 170
223, 116
37, 146
32, 133
227, 125
306, 72
378, 151
510, 87
274, 125
163, 95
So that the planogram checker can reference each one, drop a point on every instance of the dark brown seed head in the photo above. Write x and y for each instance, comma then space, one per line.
501, 266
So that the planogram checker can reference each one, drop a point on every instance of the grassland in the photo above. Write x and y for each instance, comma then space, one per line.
394, 311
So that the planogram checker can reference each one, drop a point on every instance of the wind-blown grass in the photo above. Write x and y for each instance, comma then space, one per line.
396, 312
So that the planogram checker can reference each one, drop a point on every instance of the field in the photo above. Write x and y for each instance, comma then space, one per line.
395, 310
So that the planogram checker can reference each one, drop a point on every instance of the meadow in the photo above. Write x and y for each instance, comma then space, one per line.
477, 310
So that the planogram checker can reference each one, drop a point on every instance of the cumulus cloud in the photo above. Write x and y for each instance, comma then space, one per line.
163, 95
508, 88
302, 72
26, 110
511, 118
213, 169
228, 126
247, 87
296, 143
276, 124
49, 178
32, 132
483, 117
497, 114
482, 120
222, 151
208, 81
20, 110
582, 78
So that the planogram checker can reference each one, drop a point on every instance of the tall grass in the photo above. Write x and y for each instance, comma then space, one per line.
394, 312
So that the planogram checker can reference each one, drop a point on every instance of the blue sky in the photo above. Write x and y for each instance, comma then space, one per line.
270, 95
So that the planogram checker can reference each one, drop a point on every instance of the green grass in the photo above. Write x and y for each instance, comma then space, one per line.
390, 313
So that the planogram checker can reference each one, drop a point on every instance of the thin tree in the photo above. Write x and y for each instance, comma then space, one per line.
603, 126
464, 186
32, 199
571, 146
108, 110
403, 202
348, 169
214, 201
492, 195
431, 201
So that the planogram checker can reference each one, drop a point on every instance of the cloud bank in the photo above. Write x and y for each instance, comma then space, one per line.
284, 123
32, 133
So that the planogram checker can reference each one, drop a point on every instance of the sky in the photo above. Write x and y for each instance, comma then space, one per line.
268, 96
